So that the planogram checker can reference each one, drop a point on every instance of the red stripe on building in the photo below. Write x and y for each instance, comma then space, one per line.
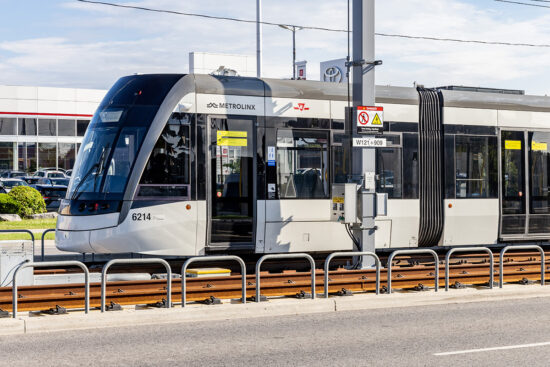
45, 114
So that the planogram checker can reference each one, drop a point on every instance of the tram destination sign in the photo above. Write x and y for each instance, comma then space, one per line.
369, 120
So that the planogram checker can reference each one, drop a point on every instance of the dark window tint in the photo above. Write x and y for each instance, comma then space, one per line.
46, 127
341, 158
7, 126
81, 126
169, 163
410, 166
302, 164
449, 161
27, 127
27, 156
47, 155
388, 172
6, 156
57, 193
539, 182
66, 127
476, 166
66, 155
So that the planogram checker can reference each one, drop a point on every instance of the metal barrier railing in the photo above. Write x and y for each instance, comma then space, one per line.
520, 247
344, 254
285, 256
469, 249
21, 231
211, 258
42, 242
408, 252
136, 261
47, 264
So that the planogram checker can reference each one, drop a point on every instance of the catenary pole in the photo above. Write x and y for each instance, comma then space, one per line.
259, 38
364, 159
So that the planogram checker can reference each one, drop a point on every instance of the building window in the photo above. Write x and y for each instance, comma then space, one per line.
7, 126
27, 127
66, 128
66, 155
81, 126
46, 127
167, 172
6, 156
302, 164
476, 166
47, 155
27, 157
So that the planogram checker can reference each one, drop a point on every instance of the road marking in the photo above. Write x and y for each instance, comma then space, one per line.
493, 348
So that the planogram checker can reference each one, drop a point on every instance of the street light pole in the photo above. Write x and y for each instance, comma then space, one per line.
259, 38
293, 29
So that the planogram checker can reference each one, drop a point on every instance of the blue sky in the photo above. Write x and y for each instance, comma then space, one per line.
67, 43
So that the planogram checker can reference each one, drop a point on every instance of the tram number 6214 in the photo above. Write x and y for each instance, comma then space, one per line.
141, 216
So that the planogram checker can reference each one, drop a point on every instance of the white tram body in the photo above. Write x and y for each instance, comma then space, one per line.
191, 164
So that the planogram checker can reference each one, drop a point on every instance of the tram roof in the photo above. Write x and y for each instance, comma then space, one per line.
307, 89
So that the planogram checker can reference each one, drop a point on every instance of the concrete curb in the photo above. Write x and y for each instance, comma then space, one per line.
275, 307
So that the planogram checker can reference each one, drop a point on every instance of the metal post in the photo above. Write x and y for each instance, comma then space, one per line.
42, 242
343, 254
211, 258
413, 252
469, 249
294, 53
136, 261
364, 159
520, 247
259, 38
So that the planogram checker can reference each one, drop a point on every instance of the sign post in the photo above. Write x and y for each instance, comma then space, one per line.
364, 151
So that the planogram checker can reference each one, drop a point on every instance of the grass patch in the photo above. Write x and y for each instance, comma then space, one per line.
24, 236
30, 224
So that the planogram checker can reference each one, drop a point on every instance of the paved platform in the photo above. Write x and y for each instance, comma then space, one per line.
274, 307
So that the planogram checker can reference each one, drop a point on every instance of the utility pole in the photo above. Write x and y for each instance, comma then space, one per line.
259, 38
293, 29
364, 159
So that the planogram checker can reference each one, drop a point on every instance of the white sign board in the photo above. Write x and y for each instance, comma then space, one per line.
369, 119
369, 142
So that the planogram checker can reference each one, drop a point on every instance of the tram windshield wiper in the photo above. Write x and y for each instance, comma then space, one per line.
93, 169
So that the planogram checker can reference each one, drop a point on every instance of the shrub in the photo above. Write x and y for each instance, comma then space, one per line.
29, 199
8, 205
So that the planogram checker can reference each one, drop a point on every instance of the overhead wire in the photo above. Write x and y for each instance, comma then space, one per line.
526, 4
390, 35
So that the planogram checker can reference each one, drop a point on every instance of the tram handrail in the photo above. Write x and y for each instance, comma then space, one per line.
136, 261
408, 252
211, 258
520, 247
344, 254
285, 256
42, 242
469, 249
28, 264
21, 231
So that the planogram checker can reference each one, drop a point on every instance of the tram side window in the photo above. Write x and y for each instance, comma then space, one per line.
388, 172
476, 166
167, 173
302, 164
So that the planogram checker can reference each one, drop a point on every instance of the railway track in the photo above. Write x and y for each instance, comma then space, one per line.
287, 283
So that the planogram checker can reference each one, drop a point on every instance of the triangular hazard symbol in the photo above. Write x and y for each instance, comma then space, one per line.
376, 120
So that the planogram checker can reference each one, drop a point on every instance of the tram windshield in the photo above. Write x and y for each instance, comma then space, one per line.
114, 136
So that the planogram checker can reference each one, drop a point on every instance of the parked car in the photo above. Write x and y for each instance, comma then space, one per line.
52, 195
49, 173
9, 183
45, 181
31, 180
12, 174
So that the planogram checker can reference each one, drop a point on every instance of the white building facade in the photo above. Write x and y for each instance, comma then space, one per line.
42, 127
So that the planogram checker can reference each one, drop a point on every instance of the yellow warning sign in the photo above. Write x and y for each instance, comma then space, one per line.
338, 200
231, 138
539, 146
512, 144
376, 120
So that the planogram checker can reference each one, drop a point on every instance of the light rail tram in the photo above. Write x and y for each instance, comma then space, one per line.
189, 165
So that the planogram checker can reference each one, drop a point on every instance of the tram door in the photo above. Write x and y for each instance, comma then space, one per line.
525, 184
232, 193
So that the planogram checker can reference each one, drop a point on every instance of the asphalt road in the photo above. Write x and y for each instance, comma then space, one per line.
413, 336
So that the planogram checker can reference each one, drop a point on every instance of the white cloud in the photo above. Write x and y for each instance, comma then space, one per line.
103, 43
